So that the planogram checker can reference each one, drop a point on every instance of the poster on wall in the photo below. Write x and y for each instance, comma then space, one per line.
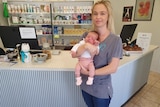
127, 14
143, 10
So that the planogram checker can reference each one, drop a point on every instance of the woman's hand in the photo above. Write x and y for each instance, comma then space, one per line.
91, 48
84, 71
73, 54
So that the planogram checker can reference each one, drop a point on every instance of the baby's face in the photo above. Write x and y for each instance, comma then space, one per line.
91, 38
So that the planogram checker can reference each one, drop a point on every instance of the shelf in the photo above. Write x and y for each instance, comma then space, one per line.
44, 34
17, 24
50, 0
71, 0
64, 44
67, 18
69, 24
71, 13
30, 13
70, 35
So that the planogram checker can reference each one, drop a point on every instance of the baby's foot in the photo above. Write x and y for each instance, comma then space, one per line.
89, 81
78, 81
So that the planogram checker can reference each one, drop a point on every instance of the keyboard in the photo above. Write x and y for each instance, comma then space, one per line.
36, 51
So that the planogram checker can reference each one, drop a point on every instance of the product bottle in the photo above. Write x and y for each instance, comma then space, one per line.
25, 54
5, 9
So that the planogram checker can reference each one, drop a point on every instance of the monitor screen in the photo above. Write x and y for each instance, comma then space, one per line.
28, 35
10, 36
13, 35
127, 32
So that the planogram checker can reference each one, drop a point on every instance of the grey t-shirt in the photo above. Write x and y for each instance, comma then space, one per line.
102, 85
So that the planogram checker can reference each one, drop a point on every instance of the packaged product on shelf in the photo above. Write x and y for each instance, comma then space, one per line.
15, 19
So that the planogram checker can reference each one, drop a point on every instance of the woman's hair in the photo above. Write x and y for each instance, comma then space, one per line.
110, 22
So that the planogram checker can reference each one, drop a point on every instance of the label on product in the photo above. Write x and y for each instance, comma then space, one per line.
56, 36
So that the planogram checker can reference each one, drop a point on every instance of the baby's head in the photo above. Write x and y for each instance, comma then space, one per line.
92, 37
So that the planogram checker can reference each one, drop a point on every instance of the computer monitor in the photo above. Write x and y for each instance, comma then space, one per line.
13, 35
10, 36
28, 35
127, 32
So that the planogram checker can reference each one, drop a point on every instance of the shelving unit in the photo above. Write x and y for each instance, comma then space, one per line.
60, 23
70, 21
32, 13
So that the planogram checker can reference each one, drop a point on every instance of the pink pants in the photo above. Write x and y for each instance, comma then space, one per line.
87, 64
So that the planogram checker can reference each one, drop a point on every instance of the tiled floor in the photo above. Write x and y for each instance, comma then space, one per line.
149, 95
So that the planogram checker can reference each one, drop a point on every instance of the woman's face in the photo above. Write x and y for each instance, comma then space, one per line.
100, 15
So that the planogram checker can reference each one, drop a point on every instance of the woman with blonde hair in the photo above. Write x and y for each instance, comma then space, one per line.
99, 94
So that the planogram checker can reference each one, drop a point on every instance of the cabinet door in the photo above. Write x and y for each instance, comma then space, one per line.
32, 14
70, 20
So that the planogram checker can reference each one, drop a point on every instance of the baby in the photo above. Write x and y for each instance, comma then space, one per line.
86, 59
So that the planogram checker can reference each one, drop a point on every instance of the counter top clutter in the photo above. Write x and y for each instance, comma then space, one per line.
62, 61
40, 57
132, 49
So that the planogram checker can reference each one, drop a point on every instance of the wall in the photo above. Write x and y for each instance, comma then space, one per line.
143, 26
3, 21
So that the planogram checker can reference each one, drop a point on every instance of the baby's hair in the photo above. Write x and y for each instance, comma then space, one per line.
95, 32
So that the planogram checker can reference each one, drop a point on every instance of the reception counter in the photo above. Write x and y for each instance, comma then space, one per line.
52, 83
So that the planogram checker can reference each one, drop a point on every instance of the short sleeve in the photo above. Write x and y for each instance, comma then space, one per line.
117, 49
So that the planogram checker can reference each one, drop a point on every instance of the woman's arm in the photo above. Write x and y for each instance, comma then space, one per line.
87, 46
79, 51
108, 69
